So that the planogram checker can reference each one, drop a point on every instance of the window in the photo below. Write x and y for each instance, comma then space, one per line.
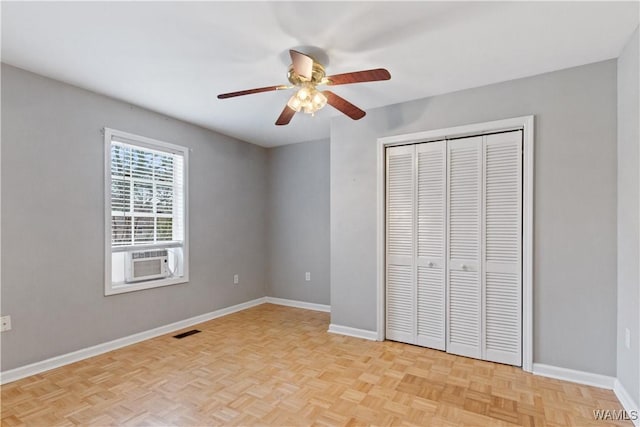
146, 213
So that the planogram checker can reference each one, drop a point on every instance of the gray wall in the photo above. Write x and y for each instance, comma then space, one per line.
53, 212
629, 217
574, 213
298, 222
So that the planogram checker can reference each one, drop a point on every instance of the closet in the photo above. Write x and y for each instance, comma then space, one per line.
454, 245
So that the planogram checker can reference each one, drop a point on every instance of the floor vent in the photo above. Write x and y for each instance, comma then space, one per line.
186, 334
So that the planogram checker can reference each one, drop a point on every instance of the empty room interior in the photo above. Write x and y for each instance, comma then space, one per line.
320, 213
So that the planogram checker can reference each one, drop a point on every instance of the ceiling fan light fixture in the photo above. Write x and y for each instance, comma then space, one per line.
304, 93
319, 100
294, 103
308, 99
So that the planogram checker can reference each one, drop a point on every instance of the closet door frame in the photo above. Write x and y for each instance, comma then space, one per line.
524, 123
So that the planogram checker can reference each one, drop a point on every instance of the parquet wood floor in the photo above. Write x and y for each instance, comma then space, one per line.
273, 365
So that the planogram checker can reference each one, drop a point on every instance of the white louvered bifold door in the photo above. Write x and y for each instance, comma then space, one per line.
400, 227
454, 246
503, 247
464, 284
431, 229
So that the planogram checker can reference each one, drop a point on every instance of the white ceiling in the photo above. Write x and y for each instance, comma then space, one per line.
175, 57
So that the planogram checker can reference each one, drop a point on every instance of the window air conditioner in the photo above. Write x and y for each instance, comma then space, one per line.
146, 265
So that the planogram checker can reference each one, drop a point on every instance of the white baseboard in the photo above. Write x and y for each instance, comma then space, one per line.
580, 377
353, 332
298, 304
627, 402
65, 359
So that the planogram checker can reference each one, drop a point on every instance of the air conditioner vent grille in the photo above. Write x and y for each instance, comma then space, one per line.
149, 254
146, 265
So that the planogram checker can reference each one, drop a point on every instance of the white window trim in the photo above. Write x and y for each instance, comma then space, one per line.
109, 287
526, 124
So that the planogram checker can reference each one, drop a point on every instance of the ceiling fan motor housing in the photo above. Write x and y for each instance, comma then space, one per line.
317, 75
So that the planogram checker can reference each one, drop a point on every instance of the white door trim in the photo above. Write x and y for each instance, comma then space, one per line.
526, 123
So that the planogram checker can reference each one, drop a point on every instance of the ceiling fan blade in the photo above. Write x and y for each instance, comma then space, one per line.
285, 116
359, 77
343, 105
250, 91
302, 64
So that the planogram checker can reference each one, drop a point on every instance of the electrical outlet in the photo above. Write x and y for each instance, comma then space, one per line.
307, 276
5, 323
627, 338
235, 279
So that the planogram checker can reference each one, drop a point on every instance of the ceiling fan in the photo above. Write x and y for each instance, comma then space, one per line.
305, 74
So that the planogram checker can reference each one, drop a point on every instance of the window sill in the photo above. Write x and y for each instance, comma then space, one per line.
121, 288
150, 246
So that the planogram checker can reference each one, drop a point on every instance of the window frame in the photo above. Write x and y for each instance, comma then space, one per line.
152, 144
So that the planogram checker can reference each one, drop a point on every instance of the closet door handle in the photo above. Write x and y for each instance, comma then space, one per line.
464, 267
430, 264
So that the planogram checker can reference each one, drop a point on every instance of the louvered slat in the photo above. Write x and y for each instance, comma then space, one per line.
502, 200
431, 308
464, 321
464, 196
400, 205
400, 287
431, 200
464, 313
431, 218
400, 318
503, 253
502, 308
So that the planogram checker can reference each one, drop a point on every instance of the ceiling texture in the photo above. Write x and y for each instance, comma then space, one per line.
176, 57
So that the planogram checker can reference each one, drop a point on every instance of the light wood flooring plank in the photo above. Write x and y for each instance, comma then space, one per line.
274, 365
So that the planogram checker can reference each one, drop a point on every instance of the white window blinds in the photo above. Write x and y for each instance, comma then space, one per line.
147, 195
